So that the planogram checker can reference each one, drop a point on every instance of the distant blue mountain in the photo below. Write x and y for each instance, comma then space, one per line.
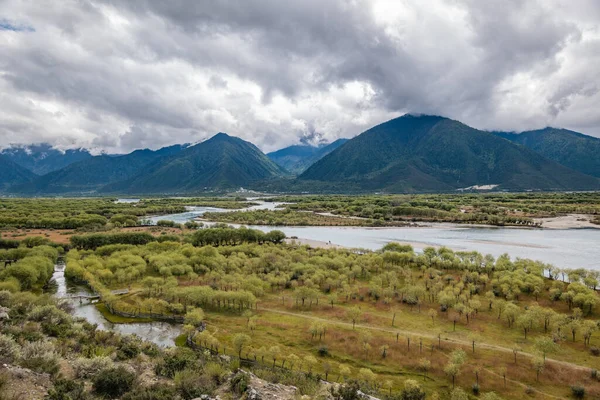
296, 159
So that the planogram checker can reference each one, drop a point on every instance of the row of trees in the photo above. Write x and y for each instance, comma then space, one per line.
224, 235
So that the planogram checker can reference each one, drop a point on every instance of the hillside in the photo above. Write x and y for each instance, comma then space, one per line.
431, 153
90, 174
217, 163
572, 149
296, 159
12, 173
43, 158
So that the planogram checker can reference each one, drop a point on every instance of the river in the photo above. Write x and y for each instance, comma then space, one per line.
564, 248
161, 333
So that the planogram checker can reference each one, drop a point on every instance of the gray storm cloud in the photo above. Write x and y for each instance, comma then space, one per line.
118, 75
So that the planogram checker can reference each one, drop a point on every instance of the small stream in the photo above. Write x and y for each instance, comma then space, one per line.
161, 333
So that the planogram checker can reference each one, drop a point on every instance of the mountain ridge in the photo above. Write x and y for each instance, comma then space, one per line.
572, 149
433, 153
43, 158
12, 173
90, 174
220, 162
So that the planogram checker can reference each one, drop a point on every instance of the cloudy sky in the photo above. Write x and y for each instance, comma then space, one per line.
119, 75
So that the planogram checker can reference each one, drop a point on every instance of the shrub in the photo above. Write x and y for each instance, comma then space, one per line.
239, 383
9, 349
65, 389
129, 348
114, 382
215, 371
323, 351
155, 392
89, 367
459, 394
175, 361
191, 384
412, 391
529, 390
40, 357
595, 351
578, 391
349, 391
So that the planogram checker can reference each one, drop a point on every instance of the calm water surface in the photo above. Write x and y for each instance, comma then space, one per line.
161, 333
564, 248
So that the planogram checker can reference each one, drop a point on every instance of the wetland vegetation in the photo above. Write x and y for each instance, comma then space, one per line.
393, 322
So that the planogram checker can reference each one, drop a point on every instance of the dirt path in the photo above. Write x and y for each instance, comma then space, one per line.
425, 335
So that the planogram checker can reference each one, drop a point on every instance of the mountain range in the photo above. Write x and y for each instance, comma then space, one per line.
430, 153
572, 149
412, 153
12, 173
43, 158
92, 173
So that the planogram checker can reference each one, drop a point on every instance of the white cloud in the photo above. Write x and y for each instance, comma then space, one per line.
114, 76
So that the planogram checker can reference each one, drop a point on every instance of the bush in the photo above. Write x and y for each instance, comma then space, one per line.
10, 351
65, 389
175, 361
578, 391
129, 348
412, 391
529, 390
323, 351
215, 371
40, 357
114, 382
239, 383
349, 391
191, 384
595, 351
156, 392
89, 367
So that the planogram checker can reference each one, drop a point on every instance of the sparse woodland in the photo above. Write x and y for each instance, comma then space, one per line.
393, 323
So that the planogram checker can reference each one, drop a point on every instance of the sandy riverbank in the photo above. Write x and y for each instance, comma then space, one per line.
571, 221
317, 244
325, 245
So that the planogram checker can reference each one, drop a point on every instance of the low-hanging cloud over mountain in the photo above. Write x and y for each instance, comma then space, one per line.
118, 75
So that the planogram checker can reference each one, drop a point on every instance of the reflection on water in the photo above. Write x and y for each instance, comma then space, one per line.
161, 333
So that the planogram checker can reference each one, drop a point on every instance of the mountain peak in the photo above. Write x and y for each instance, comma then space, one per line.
221, 136
422, 115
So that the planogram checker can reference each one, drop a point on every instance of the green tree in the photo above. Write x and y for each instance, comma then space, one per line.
240, 341
354, 315
545, 345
